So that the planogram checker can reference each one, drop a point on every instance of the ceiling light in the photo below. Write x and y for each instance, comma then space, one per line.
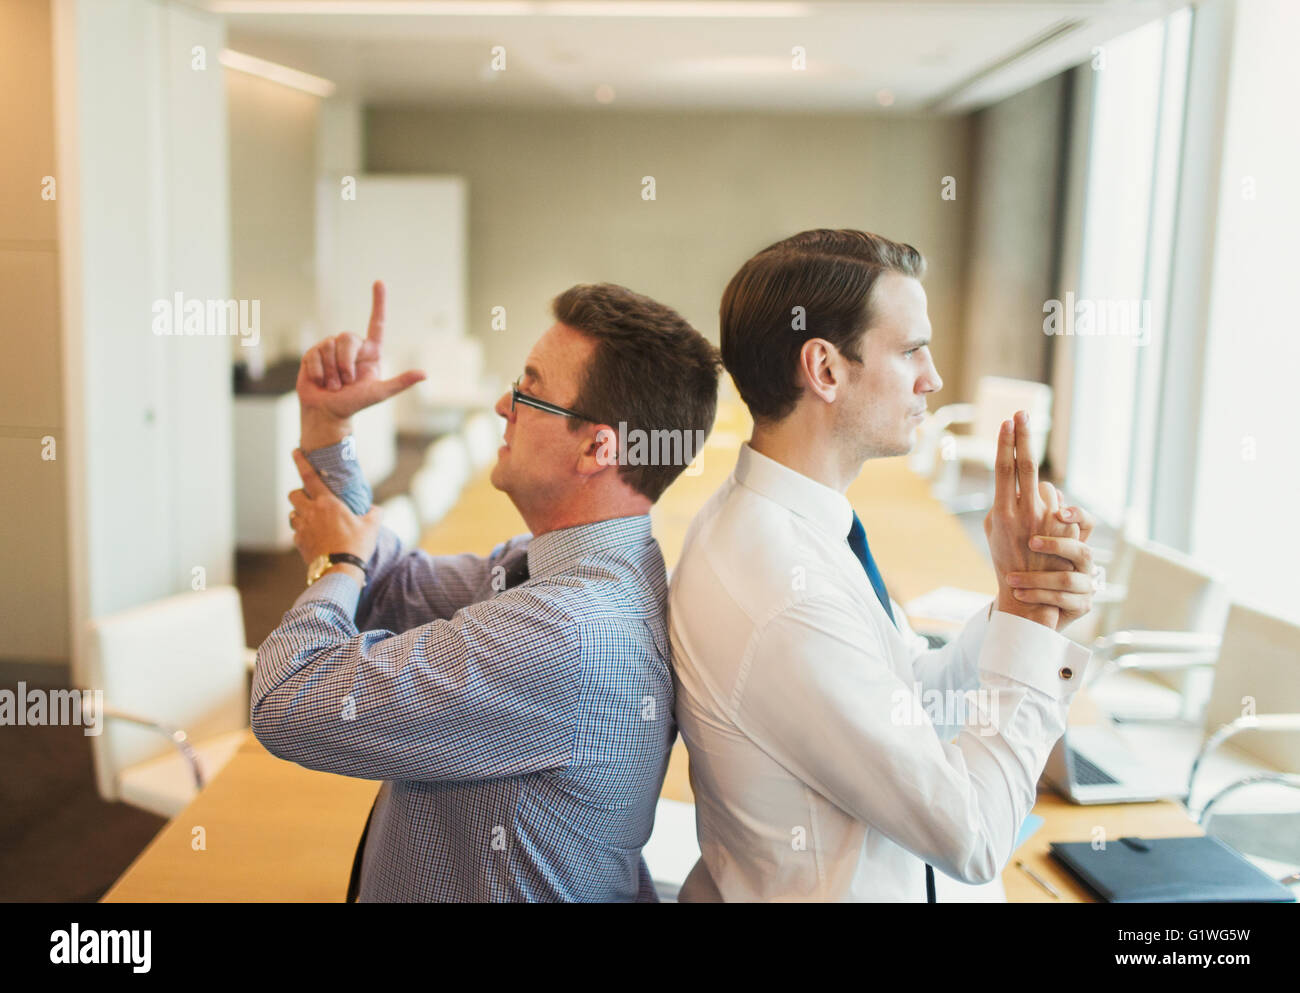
276, 73
516, 8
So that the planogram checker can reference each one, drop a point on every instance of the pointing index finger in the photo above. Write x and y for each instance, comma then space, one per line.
1026, 467
375, 332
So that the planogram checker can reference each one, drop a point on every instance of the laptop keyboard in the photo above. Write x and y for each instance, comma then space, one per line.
1088, 774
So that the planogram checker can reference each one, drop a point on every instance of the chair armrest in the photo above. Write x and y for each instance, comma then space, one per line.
1110, 593
951, 413
1119, 643
1254, 722
1281, 778
1165, 661
930, 437
177, 736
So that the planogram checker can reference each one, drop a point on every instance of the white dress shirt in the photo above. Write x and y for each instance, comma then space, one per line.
817, 771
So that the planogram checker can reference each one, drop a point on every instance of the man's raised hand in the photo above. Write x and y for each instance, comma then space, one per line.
1022, 509
1069, 590
340, 375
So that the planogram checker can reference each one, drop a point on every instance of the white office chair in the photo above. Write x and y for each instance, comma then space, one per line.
450, 455
1116, 564
1257, 689
1170, 621
482, 435
939, 454
1256, 705
175, 698
1264, 824
403, 519
434, 491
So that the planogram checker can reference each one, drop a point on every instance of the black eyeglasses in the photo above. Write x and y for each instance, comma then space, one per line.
519, 396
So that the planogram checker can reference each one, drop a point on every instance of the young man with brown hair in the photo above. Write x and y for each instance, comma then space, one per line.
817, 775
518, 706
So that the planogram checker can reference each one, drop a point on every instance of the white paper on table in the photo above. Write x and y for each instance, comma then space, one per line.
947, 603
672, 851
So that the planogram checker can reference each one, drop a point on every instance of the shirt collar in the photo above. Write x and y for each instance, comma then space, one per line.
816, 502
555, 551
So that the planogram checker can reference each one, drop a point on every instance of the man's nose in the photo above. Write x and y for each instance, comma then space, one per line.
503, 406
932, 381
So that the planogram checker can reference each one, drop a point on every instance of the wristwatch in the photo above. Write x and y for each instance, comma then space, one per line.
322, 562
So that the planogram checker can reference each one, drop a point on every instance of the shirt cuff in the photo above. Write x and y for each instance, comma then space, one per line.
973, 632
1033, 654
337, 589
338, 467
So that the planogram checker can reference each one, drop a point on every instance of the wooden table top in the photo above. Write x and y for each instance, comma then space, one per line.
272, 830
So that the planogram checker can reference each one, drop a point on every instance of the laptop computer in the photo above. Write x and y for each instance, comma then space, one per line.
1093, 764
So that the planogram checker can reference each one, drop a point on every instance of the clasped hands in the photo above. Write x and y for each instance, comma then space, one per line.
1039, 547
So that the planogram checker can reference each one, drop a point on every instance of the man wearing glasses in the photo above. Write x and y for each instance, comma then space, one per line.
518, 707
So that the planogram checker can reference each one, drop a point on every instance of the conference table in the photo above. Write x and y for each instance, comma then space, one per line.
274, 831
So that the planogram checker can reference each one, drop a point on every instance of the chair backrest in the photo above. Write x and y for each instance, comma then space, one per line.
998, 398
1168, 591
401, 517
435, 491
1259, 665
1117, 571
179, 661
449, 456
482, 433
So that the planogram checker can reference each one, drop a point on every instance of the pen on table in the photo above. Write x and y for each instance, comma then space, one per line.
1037, 878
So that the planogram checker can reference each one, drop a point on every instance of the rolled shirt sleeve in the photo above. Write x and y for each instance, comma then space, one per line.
341, 472
407, 587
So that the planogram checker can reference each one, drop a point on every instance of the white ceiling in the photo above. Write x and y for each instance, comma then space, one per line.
896, 56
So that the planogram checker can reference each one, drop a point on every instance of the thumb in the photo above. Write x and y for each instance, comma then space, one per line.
1048, 493
385, 388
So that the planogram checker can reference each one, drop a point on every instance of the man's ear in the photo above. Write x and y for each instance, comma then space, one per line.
818, 363
600, 450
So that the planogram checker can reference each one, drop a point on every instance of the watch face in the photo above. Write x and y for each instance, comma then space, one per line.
317, 568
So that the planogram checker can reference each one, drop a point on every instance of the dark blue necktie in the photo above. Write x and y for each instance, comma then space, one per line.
858, 542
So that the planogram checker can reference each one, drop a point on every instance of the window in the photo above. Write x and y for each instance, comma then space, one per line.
1117, 312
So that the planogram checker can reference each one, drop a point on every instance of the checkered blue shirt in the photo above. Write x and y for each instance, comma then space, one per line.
522, 733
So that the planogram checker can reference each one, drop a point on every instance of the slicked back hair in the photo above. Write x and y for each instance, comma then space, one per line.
830, 274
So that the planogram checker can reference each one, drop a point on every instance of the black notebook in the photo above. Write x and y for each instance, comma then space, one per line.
1169, 870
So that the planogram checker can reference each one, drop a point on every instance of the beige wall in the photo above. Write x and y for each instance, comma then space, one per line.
555, 199
1017, 151
33, 491
273, 132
